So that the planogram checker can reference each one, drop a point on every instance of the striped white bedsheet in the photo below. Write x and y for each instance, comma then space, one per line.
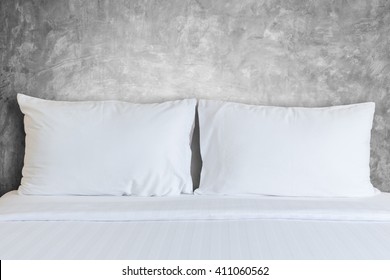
194, 227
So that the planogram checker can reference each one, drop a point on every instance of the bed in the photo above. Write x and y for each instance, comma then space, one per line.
193, 227
276, 183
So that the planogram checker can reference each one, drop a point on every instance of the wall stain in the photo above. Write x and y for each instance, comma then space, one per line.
289, 53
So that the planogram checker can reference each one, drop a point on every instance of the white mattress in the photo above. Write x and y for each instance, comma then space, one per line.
194, 227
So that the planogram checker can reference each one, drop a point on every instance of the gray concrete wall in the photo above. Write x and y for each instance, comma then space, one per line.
305, 53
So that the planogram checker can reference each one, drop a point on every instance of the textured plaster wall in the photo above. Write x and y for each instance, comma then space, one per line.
306, 53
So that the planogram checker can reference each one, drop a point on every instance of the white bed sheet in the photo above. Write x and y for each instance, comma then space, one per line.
194, 227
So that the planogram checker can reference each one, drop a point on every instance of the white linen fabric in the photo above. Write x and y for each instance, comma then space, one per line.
194, 227
106, 147
15, 207
199, 239
282, 151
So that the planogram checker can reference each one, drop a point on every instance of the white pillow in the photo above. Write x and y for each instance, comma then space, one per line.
281, 151
107, 147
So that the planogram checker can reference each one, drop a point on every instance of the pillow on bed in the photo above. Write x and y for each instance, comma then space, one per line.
107, 147
249, 149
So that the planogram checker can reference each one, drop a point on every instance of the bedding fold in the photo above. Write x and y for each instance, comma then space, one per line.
16, 207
